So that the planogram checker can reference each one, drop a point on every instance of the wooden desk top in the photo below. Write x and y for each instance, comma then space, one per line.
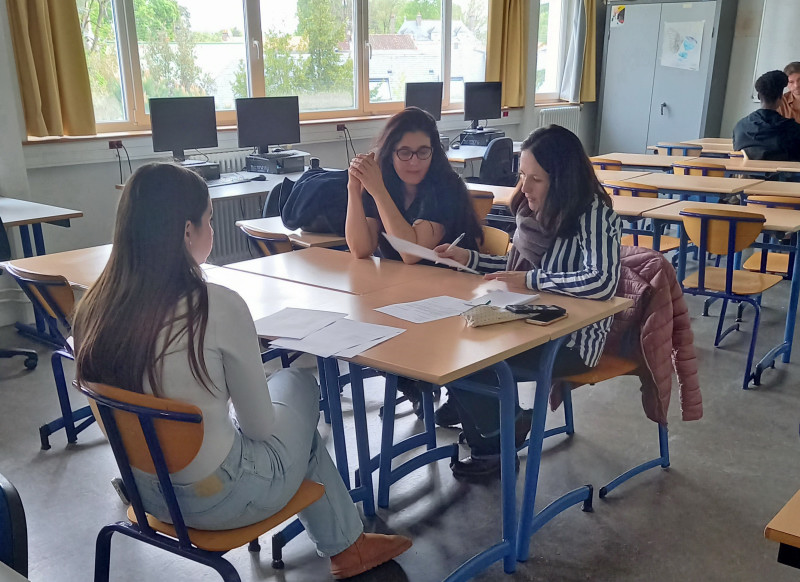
15, 212
466, 153
776, 219
784, 528
696, 183
756, 166
790, 189
453, 350
245, 189
646, 160
635, 206
274, 225
624, 175
267, 295
80, 267
502, 194
341, 271
711, 141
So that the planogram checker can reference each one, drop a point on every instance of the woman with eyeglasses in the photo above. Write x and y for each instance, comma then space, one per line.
407, 189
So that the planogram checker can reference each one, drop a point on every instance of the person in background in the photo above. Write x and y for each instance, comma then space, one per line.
153, 325
765, 134
567, 241
790, 101
408, 189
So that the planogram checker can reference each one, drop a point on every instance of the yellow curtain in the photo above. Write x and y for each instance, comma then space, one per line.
507, 48
51, 67
589, 75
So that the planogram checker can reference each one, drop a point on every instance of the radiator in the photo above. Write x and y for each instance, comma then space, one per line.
230, 243
229, 161
567, 116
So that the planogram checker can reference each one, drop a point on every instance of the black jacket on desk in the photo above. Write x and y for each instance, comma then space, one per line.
767, 135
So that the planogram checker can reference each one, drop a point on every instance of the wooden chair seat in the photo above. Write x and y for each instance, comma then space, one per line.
608, 367
776, 263
225, 540
744, 282
666, 244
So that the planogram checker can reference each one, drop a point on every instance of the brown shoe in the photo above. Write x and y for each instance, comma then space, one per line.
368, 551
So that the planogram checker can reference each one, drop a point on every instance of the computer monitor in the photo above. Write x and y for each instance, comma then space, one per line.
482, 101
266, 121
181, 123
426, 96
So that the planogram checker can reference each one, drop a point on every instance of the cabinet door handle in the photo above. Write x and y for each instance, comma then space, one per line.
663, 105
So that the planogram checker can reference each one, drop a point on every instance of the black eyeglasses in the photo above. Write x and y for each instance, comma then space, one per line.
405, 154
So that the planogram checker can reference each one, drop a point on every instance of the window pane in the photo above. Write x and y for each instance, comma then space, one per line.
468, 45
102, 59
406, 46
191, 48
549, 45
308, 51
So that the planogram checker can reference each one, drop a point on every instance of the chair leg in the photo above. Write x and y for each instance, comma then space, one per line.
720, 333
748, 374
68, 416
102, 556
661, 461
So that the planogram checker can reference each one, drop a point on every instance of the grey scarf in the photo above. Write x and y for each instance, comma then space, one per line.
530, 240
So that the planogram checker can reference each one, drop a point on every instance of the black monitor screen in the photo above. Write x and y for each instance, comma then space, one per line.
266, 121
181, 123
426, 96
482, 100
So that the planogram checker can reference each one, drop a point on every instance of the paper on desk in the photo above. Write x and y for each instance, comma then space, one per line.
345, 338
409, 248
295, 323
426, 310
502, 298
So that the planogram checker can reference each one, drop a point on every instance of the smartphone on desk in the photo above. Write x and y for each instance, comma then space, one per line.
539, 314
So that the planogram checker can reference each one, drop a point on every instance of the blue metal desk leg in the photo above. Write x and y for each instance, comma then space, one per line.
40, 331
337, 422
365, 493
791, 314
530, 522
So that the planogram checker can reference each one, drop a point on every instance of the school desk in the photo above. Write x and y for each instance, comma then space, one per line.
784, 528
703, 186
788, 189
655, 163
24, 213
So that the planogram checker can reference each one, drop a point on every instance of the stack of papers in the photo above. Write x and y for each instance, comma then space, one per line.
323, 333
409, 248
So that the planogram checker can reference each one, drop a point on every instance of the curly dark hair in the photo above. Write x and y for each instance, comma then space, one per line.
770, 86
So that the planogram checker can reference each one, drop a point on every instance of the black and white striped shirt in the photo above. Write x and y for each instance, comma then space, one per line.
584, 265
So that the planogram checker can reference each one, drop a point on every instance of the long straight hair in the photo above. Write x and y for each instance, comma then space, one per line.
119, 320
440, 176
573, 183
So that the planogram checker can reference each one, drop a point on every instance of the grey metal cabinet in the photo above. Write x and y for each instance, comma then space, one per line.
665, 68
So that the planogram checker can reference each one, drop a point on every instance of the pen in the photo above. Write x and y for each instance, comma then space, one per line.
455, 242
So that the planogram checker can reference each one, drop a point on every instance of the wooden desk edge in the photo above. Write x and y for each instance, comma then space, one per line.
776, 529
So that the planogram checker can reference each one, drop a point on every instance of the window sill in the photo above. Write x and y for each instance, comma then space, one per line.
554, 103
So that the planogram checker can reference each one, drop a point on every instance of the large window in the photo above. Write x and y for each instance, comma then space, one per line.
341, 57
548, 53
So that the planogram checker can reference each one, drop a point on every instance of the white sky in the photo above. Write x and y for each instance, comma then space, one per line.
214, 15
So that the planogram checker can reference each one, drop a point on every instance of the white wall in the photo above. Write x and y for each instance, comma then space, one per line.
738, 100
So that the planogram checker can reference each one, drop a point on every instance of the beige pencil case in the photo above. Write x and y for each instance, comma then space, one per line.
481, 315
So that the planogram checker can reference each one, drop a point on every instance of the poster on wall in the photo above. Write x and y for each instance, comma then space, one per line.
683, 42
617, 16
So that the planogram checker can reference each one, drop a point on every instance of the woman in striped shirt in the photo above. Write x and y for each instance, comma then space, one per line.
567, 241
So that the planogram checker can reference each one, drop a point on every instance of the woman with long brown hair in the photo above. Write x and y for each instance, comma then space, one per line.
152, 324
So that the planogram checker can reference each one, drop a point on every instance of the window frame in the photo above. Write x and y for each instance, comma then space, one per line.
542, 98
133, 105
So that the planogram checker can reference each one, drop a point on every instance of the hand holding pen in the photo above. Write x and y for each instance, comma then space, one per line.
453, 251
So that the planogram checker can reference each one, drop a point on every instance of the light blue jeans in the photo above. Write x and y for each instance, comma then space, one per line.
258, 478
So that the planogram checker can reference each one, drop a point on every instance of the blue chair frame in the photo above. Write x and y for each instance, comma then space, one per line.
13, 529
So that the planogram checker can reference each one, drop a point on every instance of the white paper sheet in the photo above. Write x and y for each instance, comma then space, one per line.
295, 323
409, 248
344, 337
426, 310
503, 298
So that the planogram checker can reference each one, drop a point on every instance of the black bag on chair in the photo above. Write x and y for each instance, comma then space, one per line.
317, 202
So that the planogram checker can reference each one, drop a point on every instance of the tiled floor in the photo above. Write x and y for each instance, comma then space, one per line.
702, 519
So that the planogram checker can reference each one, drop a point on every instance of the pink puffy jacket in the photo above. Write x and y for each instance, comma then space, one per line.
655, 331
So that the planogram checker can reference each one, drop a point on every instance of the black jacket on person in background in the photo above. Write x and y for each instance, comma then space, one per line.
767, 135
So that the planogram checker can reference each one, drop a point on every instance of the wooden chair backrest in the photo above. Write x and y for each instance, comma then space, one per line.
51, 293
269, 243
606, 164
622, 188
787, 202
717, 225
678, 149
495, 241
180, 441
481, 203
699, 169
